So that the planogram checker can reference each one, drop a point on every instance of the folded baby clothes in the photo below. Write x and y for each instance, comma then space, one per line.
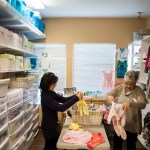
97, 139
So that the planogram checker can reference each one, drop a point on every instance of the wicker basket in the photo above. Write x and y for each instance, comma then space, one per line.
23, 82
94, 118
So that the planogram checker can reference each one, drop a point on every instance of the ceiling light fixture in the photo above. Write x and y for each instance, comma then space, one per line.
35, 4
139, 14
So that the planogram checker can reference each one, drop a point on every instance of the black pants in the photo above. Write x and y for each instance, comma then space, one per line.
131, 141
51, 144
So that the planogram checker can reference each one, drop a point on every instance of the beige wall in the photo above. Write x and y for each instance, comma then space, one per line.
148, 23
90, 30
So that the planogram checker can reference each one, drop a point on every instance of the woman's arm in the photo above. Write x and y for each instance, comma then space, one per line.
54, 105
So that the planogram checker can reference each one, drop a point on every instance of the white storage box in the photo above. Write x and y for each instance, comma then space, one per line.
4, 87
28, 114
7, 62
13, 112
3, 134
35, 111
3, 100
5, 145
36, 120
16, 136
16, 123
3, 119
19, 63
23, 82
27, 104
4, 35
3, 108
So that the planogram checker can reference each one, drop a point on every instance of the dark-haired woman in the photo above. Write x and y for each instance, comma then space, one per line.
52, 103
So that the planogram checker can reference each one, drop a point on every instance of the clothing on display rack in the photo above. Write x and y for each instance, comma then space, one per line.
108, 79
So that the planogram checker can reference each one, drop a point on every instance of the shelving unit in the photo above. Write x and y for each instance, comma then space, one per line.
13, 20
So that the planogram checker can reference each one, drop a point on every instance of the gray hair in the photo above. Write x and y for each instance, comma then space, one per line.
131, 76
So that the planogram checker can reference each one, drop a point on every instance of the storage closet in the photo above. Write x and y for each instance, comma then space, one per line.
19, 107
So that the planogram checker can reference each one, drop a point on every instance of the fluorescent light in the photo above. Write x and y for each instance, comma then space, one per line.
36, 4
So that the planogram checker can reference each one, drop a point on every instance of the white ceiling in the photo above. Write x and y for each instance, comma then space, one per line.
95, 8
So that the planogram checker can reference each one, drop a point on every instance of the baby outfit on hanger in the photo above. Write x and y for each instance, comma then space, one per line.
117, 115
122, 54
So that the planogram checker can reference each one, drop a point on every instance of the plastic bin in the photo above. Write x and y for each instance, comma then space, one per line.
3, 108
36, 129
4, 87
3, 100
21, 144
3, 134
28, 123
14, 96
41, 26
36, 120
30, 141
7, 62
5, 145
28, 114
16, 123
29, 131
13, 112
27, 104
16, 136
35, 111
3, 119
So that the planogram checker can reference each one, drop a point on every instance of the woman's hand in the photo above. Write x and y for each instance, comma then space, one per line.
126, 106
79, 95
110, 98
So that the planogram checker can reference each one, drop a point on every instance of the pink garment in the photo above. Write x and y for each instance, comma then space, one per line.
117, 115
77, 137
107, 82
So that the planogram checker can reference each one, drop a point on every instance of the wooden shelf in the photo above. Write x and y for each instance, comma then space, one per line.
13, 20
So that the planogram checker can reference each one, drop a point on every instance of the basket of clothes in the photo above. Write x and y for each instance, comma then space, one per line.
83, 114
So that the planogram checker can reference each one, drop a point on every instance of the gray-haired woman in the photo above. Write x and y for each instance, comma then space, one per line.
133, 99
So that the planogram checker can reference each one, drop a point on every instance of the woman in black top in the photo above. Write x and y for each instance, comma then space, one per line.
50, 102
